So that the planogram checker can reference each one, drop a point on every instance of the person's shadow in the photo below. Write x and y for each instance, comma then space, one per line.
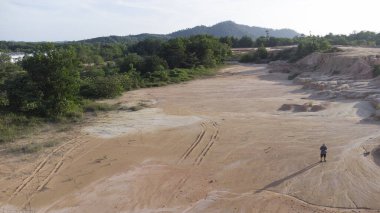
280, 181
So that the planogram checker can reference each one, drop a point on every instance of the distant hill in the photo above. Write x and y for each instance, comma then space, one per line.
124, 39
230, 28
227, 28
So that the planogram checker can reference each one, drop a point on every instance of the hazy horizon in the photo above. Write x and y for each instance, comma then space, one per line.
66, 20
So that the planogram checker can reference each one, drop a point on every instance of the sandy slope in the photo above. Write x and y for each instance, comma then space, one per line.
212, 145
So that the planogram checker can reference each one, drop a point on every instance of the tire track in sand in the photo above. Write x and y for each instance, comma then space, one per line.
195, 143
199, 141
46, 169
208, 146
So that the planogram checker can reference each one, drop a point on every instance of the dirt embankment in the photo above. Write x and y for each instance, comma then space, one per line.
342, 75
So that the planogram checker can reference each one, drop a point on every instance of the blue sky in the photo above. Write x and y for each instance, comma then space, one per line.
65, 20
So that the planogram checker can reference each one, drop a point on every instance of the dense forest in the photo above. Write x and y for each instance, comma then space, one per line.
58, 81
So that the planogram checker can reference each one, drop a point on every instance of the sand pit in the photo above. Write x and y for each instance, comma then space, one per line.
212, 145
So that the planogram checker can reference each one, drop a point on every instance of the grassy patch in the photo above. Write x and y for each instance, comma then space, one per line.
92, 106
14, 126
26, 149
138, 107
32, 147
51, 143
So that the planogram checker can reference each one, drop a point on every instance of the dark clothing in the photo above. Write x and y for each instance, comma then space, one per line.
323, 150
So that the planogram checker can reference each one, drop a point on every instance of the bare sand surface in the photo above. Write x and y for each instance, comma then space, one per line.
212, 145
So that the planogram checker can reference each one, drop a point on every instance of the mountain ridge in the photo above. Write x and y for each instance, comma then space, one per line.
221, 29
230, 28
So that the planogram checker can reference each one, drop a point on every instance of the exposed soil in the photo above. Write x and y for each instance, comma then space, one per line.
210, 145
376, 155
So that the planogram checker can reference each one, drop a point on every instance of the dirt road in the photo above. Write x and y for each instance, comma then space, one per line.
211, 145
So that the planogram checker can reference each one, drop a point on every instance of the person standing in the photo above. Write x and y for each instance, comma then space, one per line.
323, 152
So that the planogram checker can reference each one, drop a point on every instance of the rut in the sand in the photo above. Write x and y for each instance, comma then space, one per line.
207, 148
45, 170
195, 143
201, 140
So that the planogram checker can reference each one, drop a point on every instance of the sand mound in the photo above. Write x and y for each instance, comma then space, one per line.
376, 155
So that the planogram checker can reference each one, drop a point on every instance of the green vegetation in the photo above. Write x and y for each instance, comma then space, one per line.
33, 147
13, 126
59, 82
306, 46
229, 28
311, 44
260, 55
376, 70
248, 42
92, 106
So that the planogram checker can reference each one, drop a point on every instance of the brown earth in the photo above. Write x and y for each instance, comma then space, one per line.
210, 145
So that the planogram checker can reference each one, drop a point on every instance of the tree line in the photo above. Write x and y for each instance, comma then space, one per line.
56, 79
362, 38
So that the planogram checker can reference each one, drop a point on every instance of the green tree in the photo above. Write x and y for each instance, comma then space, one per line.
102, 87
131, 59
174, 52
153, 63
147, 47
207, 50
262, 52
8, 71
24, 95
55, 75
227, 40
246, 41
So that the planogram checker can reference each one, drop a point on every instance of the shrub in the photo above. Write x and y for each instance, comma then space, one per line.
54, 74
376, 71
13, 126
27, 148
159, 76
293, 76
256, 56
92, 106
249, 57
23, 95
101, 87
312, 44
262, 52
90, 72
178, 75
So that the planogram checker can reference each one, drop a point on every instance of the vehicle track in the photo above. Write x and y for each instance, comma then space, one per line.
207, 148
199, 141
195, 143
178, 188
46, 169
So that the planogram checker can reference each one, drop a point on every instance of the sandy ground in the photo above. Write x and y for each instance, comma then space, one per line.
211, 145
